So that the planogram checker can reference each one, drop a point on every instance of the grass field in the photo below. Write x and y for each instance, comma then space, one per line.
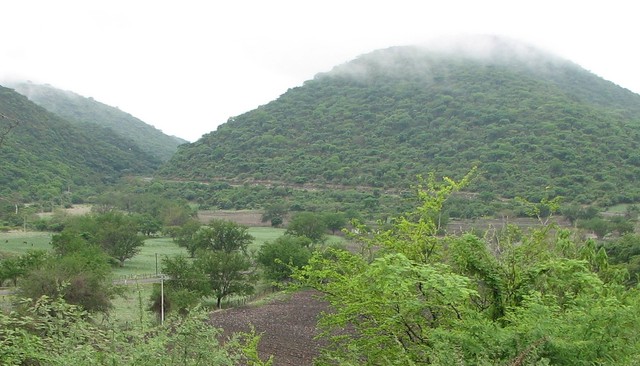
144, 263
20, 242
135, 296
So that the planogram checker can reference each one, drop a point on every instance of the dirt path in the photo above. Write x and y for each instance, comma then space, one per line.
288, 327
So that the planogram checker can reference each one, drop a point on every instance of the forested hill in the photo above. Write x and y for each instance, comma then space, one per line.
43, 157
78, 109
532, 123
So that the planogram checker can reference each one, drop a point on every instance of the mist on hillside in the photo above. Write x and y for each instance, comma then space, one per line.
422, 58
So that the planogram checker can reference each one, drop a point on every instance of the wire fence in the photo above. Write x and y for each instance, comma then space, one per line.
238, 301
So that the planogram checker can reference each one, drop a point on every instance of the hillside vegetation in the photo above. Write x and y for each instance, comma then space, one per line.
534, 124
77, 109
44, 157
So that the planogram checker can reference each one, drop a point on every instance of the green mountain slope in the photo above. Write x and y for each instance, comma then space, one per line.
75, 108
43, 156
532, 123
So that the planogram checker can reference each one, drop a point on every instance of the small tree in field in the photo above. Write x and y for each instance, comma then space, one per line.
184, 287
275, 213
227, 273
334, 221
278, 257
118, 236
308, 224
221, 262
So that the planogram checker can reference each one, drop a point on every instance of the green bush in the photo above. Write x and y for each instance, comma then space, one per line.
278, 257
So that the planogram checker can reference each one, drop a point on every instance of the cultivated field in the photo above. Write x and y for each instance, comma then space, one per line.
287, 324
252, 218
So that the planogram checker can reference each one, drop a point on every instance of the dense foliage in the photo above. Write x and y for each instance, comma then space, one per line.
527, 119
625, 251
81, 277
412, 296
280, 256
77, 109
53, 332
48, 160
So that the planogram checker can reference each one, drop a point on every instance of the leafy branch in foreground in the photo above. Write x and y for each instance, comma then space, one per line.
53, 332
534, 298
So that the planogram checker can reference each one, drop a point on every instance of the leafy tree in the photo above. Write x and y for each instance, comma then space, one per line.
221, 261
147, 224
68, 242
175, 214
625, 251
621, 225
632, 212
184, 236
425, 298
275, 213
184, 287
280, 256
117, 234
334, 221
599, 226
13, 268
307, 224
227, 273
10, 269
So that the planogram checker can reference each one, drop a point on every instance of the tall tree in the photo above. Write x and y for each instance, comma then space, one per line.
227, 272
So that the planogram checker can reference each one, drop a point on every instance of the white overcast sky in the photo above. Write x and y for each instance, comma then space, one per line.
187, 66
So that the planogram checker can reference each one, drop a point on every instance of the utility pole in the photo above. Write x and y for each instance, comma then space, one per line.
161, 299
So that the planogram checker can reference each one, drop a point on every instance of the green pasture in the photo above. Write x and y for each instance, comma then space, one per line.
17, 243
144, 263
263, 235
